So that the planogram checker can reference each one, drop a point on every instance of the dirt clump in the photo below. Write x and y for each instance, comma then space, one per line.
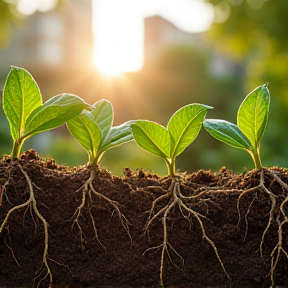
248, 226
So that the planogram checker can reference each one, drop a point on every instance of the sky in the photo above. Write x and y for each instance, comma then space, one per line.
118, 26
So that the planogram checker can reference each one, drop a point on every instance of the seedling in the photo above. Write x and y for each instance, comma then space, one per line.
252, 120
27, 116
168, 143
94, 131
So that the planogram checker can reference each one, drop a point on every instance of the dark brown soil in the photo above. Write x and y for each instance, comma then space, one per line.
122, 262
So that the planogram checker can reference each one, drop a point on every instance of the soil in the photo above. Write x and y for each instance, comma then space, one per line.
77, 259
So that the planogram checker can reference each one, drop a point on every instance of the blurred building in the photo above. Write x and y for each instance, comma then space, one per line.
50, 42
159, 34
57, 48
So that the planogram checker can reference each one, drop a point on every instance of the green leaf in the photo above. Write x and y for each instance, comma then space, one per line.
152, 137
95, 133
185, 125
103, 115
253, 113
86, 132
53, 113
227, 132
118, 135
21, 95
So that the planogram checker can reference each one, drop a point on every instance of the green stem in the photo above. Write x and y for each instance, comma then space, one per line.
92, 161
170, 163
95, 160
16, 150
255, 154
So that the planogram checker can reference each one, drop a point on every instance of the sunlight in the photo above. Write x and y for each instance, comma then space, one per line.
107, 66
28, 7
112, 59
118, 27
118, 38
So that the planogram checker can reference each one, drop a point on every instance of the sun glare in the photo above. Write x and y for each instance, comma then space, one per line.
109, 69
118, 28
28, 7
118, 38
112, 59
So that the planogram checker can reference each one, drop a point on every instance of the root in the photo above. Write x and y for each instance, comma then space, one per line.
87, 190
281, 220
12, 252
276, 214
176, 199
246, 217
1, 195
281, 217
32, 204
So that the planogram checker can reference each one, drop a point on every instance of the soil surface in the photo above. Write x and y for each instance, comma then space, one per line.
77, 259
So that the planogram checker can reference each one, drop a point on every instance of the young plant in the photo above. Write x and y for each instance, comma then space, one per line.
252, 120
94, 131
27, 116
168, 143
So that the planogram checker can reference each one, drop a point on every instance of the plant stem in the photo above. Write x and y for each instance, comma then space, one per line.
256, 158
94, 160
16, 150
170, 163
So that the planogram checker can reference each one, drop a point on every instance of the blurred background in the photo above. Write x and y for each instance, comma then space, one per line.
149, 58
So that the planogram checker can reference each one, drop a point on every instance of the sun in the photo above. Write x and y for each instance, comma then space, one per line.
118, 28
118, 38
112, 61
107, 66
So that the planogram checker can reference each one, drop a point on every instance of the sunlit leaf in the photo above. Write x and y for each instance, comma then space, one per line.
118, 135
252, 120
185, 125
53, 113
86, 132
103, 115
253, 113
152, 137
93, 130
227, 132
21, 95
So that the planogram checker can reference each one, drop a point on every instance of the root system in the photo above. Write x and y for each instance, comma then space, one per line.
203, 229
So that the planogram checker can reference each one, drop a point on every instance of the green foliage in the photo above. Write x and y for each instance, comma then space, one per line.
181, 76
152, 137
252, 121
27, 116
253, 113
183, 127
94, 131
259, 43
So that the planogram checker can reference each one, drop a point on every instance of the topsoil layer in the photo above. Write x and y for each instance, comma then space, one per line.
120, 262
